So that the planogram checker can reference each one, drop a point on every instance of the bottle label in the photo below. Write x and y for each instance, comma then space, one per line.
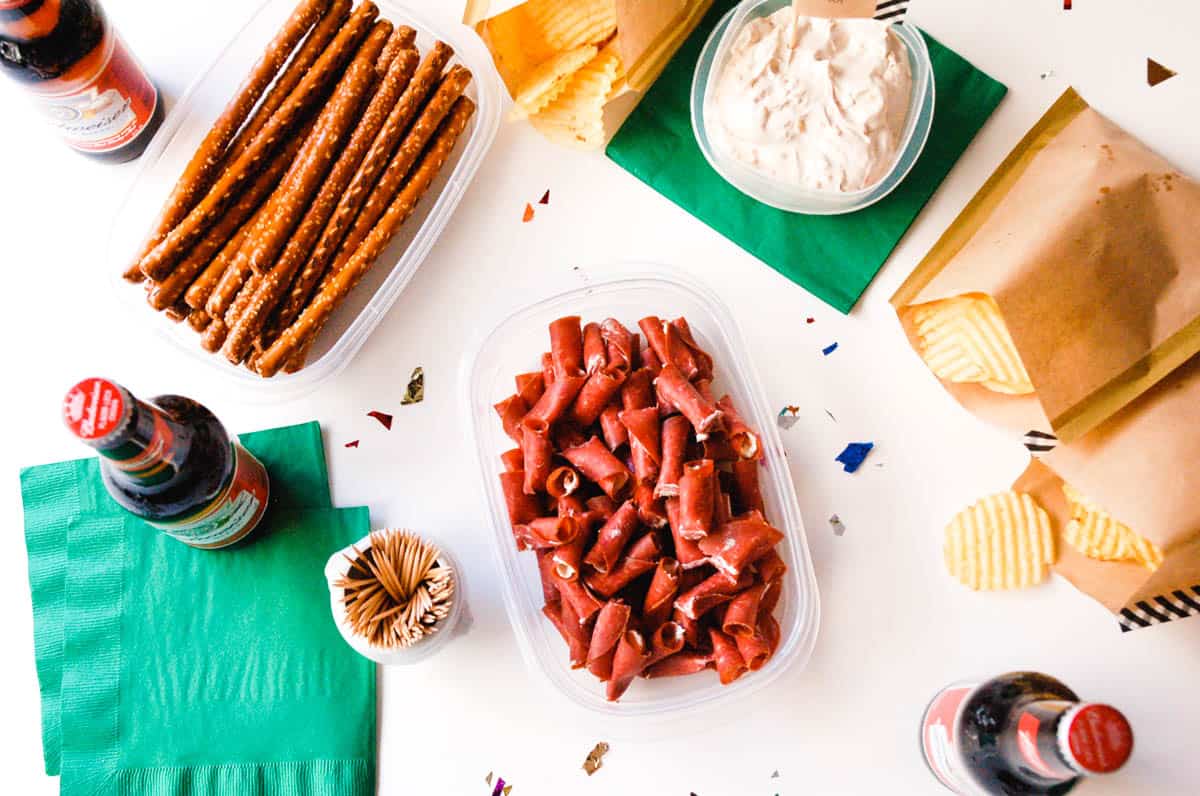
1028, 726
107, 111
93, 409
233, 514
938, 740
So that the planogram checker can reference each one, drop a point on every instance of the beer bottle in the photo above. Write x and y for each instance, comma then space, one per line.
1020, 733
171, 462
81, 75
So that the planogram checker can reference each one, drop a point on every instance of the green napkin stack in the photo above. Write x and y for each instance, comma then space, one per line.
833, 257
170, 670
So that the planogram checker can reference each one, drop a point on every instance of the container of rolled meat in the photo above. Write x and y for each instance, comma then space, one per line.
331, 339
650, 547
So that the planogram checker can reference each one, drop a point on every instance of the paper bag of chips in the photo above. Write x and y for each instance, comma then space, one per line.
1123, 501
576, 68
1068, 286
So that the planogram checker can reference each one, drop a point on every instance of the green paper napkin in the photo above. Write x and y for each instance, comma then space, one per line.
833, 257
63, 495
193, 673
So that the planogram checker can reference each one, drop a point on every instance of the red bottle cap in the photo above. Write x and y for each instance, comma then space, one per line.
94, 408
1098, 739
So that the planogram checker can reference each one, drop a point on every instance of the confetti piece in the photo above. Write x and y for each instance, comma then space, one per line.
507, 790
499, 786
382, 417
352, 444
788, 416
776, 774
852, 457
528, 216
488, 778
414, 393
829, 349
595, 758
1047, 74
1066, 5
810, 320
831, 417
1157, 73
545, 200
839, 528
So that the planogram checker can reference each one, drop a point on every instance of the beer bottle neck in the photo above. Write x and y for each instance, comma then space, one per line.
138, 439
1059, 740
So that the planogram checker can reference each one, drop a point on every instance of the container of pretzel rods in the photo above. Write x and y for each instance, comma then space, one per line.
299, 183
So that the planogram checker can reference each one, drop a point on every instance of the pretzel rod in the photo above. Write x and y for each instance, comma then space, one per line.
165, 293
402, 38
199, 320
159, 261
314, 316
310, 49
283, 209
178, 312
352, 199
204, 285
275, 283
200, 171
320, 149
451, 87
214, 336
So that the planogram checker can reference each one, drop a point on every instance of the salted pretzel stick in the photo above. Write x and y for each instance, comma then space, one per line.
178, 312
165, 293
199, 320
304, 57
202, 169
248, 323
368, 172
402, 38
159, 261
450, 88
324, 303
197, 295
287, 203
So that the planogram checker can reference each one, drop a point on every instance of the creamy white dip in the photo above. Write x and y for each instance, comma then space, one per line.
816, 103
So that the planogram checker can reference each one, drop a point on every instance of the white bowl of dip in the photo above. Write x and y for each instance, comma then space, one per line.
811, 189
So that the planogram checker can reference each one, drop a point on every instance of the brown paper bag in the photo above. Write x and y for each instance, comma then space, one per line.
1090, 245
648, 34
1142, 465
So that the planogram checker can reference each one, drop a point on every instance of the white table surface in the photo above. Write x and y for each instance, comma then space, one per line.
894, 627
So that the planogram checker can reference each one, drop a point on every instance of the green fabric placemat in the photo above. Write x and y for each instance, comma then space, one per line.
833, 257
62, 495
199, 673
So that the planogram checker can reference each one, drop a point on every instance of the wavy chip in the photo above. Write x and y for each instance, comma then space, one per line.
1003, 541
1097, 534
548, 80
576, 116
964, 339
569, 23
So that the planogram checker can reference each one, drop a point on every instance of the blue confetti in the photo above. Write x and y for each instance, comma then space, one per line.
829, 349
854, 454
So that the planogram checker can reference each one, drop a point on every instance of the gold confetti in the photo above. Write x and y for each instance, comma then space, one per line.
595, 758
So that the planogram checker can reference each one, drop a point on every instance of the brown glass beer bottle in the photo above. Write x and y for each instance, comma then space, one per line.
171, 462
80, 74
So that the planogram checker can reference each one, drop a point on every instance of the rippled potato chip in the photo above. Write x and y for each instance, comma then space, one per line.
964, 339
548, 81
566, 24
1097, 534
1003, 541
576, 116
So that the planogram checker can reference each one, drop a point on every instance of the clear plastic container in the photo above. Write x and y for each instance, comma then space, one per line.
454, 624
790, 197
514, 346
187, 124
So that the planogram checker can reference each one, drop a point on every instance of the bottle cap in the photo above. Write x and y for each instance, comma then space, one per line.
1096, 739
95, 408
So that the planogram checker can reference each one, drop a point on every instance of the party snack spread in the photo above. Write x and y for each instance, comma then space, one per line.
818, 103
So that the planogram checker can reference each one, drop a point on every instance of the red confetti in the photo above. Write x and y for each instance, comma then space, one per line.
525, 219
545, 200
810, 320
1066, 5
353, 444
382, 417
